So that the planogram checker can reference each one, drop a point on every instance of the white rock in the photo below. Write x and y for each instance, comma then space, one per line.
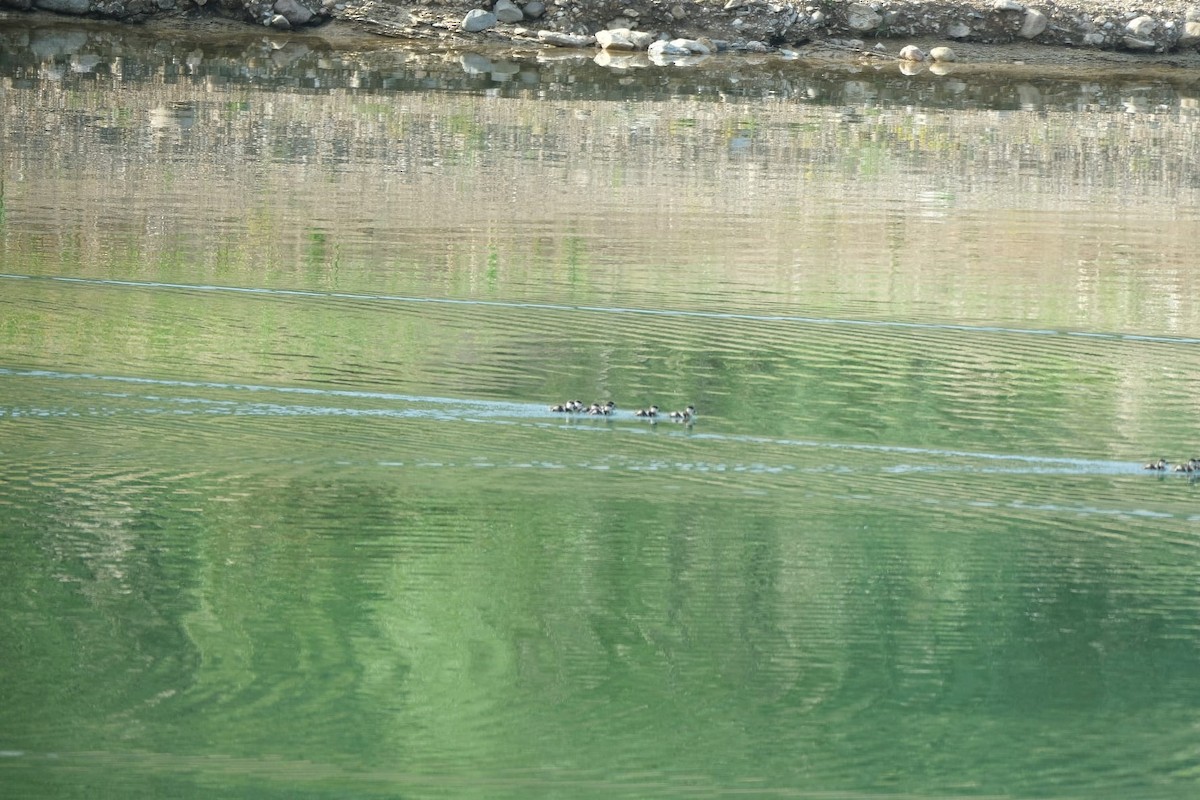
817, 19
478, 20
862, 18
1191, 33
279, 22
1094, 39
641, 39
912, 53
1035, 22
565, 39
942, 54
615, 39
1141, 26
958, 30
692, 46
662, 49
1008, 5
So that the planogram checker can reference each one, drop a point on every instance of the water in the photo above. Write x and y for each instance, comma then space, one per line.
285, 513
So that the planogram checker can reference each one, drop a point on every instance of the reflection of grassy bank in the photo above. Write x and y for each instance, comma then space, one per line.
954, 215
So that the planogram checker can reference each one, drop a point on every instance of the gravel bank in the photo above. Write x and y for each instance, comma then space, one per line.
673, 31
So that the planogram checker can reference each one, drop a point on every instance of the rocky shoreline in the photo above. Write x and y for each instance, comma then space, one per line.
674, 30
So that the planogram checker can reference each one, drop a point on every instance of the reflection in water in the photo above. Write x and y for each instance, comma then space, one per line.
283, 507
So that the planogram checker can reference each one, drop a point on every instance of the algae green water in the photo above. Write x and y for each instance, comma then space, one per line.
284, 512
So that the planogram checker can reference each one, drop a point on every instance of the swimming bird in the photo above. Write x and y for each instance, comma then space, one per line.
1187, 466
1161, 464
683, 416
568, 407
652, 411
603, 410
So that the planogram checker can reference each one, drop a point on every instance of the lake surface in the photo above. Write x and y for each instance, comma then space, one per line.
284, 513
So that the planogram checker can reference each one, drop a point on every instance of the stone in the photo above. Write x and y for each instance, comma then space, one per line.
1008, 5
615, 39
534, 10
911, 53
478, 20
958, 30
677, 12
279, 22
732, 4
641, 39
817, 19
295, 13
944, 54
862, 18
692, 46
1034, 23
63, 6
559, 39
661, 49
1093, 39
507, 11
1141, 27
1137, 43
1191, 34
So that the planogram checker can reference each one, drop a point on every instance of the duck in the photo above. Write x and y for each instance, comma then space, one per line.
568, 407
1161, 464
683, 416
603, 410
652, 411
1187, 466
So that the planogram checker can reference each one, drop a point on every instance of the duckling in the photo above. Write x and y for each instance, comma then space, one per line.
561, 408
652, 411
1161, 464
683, 416
1187, 466
603, 410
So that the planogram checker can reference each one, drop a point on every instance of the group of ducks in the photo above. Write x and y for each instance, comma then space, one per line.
606, 409
1191, 465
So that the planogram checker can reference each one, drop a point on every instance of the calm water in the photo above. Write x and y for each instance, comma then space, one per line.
283, 512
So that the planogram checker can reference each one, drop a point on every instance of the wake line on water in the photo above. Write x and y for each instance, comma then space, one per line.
499, 412
694, 314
